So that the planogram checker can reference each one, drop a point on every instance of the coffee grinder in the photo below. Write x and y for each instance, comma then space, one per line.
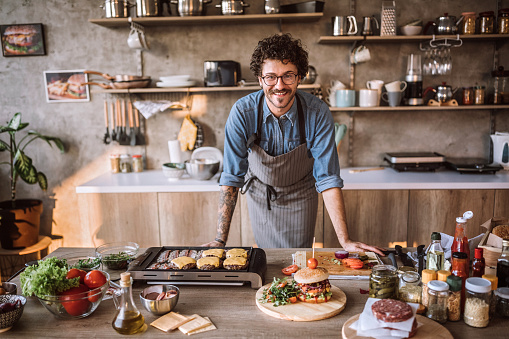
413, 78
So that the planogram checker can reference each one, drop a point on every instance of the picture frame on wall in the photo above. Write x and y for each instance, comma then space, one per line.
66, 86
22, 40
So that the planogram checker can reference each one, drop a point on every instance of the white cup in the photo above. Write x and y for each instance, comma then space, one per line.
396, 86
375, 84
135, 39
360, 54
331, 97
368, 98
336, 84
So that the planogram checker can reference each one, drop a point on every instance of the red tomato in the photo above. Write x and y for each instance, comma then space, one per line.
75, 273
94, 295
293, 300
95, 279
290, 269
72, 306
312, 263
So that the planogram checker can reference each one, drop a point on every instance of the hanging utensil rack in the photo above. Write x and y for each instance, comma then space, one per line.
441, 42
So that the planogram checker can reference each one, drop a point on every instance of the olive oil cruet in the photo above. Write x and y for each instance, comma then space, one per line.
128, 319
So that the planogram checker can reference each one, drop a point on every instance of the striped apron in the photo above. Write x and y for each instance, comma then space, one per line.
281, 195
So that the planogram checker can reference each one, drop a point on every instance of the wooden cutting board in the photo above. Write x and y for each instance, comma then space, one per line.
303, 311
325, 259
428, 329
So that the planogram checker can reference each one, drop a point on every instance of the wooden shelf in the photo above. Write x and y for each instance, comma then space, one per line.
192, 89
419, 108
408, 38
209, 19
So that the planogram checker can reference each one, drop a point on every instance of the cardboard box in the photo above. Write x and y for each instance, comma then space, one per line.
491, 243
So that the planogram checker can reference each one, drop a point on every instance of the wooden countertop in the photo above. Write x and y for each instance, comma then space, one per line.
231, 309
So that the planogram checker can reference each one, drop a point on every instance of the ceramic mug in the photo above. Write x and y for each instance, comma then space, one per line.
135, 39
392, 98
368, 97
396, 86
336, 84
331, 97
375, 84
345, 98
360, 54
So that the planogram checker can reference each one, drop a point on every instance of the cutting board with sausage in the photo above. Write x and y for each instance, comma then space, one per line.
335, 266
303, 311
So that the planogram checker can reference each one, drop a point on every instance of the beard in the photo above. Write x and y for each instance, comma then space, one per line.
277, 102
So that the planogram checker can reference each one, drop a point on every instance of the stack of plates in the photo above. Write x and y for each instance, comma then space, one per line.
176, 81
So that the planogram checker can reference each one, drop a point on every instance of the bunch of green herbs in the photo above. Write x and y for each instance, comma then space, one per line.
279, 292
47, 278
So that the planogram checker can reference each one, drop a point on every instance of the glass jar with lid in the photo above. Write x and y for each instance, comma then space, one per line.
438, 294
503, 21
125, 163
137, 163
479, 94
486, 24
494, 285
383, 282
502, 301
454, 300
468, 23
410, 289
499, 92
115, 163
427, 276
477, 302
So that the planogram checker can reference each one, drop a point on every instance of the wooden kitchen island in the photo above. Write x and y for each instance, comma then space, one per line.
232, 309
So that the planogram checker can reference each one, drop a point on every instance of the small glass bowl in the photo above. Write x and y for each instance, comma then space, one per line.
117, 255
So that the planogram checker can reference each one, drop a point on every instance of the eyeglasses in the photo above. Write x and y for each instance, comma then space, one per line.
288, 79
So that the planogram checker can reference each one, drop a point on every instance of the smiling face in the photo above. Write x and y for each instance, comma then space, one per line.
279, 96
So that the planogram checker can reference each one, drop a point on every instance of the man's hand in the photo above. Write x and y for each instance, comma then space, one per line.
356, 246
213, 244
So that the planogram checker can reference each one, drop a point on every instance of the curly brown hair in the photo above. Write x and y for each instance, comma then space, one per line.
280, 47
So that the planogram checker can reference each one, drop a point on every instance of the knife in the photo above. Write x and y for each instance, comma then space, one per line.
403, 256
420, 256
390, 254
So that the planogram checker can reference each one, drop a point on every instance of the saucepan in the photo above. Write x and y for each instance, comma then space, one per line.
120, 81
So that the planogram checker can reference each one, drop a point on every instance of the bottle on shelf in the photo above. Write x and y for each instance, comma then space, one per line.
478, 264
128, 319
503, 265
435, 253
460, 242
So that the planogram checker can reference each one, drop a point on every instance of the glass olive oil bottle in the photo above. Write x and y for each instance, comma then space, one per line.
128, 319
435, 253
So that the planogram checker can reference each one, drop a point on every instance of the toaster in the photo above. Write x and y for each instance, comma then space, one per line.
221, 73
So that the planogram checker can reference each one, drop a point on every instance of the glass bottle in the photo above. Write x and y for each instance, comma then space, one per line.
438, 293
454, 300
460, 242
410, 289
435, 253
383, 282
128, 319
503, 265
477, 303
460, 269
478, 264
427, 276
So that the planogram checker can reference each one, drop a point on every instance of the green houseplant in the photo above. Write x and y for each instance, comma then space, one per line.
20, 218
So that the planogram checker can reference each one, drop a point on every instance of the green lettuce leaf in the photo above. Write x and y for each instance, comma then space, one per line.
47, 278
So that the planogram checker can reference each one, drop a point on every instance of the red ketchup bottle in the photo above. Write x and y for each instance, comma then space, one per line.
478, 264
460, 242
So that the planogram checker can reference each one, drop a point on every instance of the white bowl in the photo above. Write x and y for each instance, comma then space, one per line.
173, 171
411, 30
175, 78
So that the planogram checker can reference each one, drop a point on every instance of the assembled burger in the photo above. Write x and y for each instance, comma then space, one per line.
76, 90
22, 39
313, 285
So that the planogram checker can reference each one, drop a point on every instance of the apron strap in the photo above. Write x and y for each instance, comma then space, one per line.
271, 194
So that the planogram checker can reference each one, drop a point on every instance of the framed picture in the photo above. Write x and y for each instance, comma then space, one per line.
66, 86
22, 40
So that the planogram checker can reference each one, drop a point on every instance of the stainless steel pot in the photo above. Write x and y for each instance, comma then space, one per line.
149, 8
310, 77
232, 7
116, 8
190, 7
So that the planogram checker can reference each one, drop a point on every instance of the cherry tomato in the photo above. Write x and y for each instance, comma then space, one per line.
312, 263
94, 295
75, 273
95, 279
290, 269
283, 284
72, 302
292, 299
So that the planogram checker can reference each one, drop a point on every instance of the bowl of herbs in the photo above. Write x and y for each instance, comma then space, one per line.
117, 255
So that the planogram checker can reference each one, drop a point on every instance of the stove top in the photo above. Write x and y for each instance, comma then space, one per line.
472, 166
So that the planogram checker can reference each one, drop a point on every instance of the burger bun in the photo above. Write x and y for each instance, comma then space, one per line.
311, 275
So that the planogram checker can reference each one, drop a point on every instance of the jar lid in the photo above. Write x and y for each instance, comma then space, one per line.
493, 279
438, 285
436, 236
488, 13
478, 285
502, 292
454, 283
410, 277
114, 155
459, 255
428, 275
480, 87
503, 11
443, 274
467, 13
468, 214
137, 156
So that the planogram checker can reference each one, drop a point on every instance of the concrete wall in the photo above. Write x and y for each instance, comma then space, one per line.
74, 43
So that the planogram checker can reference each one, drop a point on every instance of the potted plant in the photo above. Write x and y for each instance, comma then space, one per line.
20, 218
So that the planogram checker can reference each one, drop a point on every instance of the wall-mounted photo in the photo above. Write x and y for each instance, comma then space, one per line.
22, 40
66, 86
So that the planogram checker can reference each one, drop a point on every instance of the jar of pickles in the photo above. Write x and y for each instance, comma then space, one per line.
383, 282
477, 302
438, 294
468, 23
410, 289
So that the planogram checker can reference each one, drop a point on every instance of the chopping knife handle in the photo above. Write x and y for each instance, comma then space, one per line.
136, 117
392, 258
106, 113
112, 109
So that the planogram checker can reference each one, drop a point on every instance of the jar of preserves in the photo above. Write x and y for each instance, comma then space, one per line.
499, 92
503, 21
137, 163
427, 276
479, 94
502, 301
468, 23
115, 163
486, 24
410, 289
477, 302
438, 294
454, 300
468, 95
383, 282
125, 163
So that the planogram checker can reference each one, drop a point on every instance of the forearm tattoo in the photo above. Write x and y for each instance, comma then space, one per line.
227, 200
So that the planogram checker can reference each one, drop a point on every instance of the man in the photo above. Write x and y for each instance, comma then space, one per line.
279, 150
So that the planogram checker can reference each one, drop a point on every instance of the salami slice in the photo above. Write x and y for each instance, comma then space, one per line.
391, 311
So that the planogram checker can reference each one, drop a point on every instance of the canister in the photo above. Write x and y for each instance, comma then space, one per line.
502, 301
115, 163
468, 23
125, 163
486, 23
503, 21
137, 163
410, 289
477, 302
479, 94
383, 282
442, 275
438, 294
468, 95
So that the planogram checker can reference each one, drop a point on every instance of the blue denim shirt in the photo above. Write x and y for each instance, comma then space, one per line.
280, 136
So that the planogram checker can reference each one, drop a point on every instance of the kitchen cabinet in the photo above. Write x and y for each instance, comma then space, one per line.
501, 203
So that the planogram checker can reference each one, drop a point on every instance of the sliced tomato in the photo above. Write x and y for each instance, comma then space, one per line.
290, 269
292, 299
283, 284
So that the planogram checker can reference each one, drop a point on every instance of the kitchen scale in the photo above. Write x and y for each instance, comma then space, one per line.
472, 166
415, 161
253, 274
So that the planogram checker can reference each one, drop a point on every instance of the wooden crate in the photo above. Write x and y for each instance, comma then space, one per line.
491, 252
